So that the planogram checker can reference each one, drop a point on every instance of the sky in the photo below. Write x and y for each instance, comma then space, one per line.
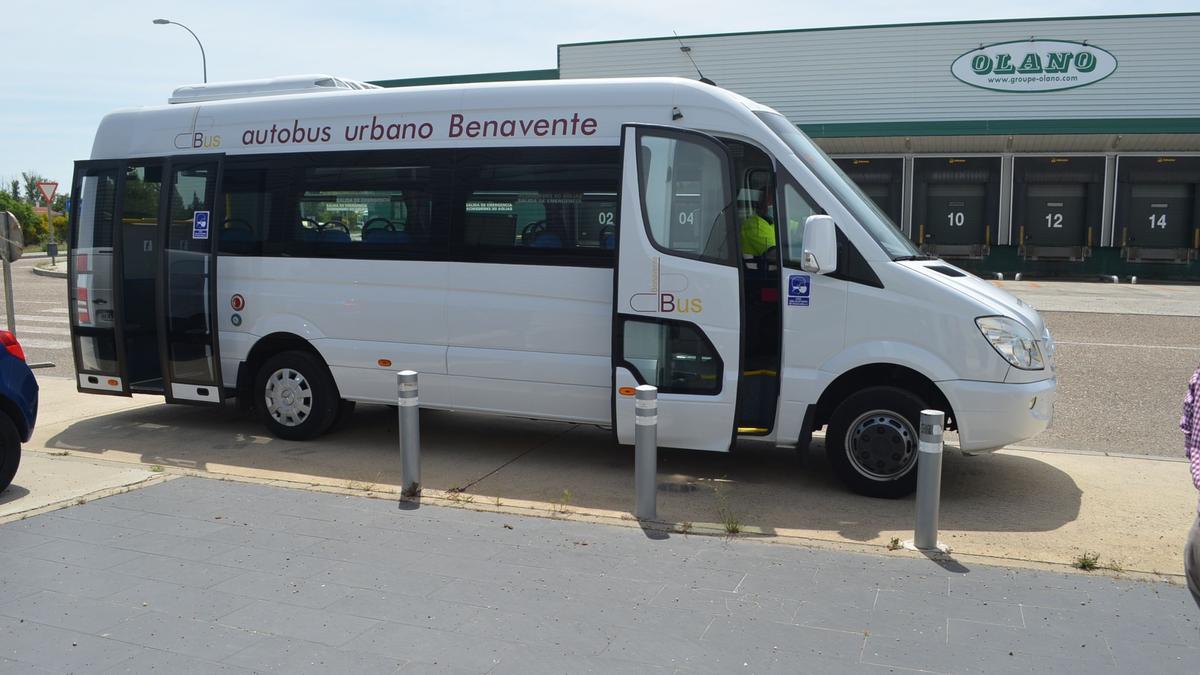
64, 65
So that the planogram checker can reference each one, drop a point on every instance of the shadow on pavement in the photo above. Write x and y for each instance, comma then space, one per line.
12, 493
579, 466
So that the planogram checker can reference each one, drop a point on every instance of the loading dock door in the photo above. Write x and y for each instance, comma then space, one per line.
955, 213
1160, 215
956, 205
1157, 211
1058, 203
1054, 214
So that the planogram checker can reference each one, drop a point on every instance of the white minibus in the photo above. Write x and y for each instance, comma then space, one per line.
535, 249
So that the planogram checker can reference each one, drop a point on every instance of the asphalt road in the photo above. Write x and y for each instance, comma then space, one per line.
1121, 382
1122, 376
43, 327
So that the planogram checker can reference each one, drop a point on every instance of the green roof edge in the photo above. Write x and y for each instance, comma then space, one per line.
1172, 125
962, 22
506, 76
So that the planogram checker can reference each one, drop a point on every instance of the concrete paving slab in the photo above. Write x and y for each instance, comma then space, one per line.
1015, 505
921, 615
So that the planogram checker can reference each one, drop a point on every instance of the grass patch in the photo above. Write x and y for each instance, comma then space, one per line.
1087, 561
156, 468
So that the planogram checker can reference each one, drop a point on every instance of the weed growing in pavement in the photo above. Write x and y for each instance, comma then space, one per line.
1088, 561
456, 494
893, 544
684, 527
156, 468
497, 499
728, 519
563, 501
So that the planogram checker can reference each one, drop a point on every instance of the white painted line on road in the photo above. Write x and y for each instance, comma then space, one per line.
1114, 344
43, 344
42, 330
43, 318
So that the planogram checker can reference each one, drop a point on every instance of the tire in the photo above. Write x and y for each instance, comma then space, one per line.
10, 451
871, 441
295, 396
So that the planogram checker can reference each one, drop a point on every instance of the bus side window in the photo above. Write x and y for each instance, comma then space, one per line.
553, 204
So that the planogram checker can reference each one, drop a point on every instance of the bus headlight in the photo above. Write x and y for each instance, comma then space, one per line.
1011, 340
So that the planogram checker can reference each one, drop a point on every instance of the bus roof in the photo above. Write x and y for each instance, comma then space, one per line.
238, 118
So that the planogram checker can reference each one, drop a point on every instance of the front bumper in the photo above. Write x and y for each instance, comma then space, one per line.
991, 415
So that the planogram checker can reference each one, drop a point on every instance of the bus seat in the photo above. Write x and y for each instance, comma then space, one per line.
381, 236
336, 236
546, 240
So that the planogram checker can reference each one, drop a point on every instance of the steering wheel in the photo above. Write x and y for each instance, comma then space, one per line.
607, 231
335, 224
532, 230
388, 225
310, 223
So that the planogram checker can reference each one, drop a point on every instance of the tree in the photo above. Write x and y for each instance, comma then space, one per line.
32, 194
16, 189
32, 224
60, 202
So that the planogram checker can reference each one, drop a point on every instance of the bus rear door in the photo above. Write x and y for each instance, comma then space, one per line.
677, 305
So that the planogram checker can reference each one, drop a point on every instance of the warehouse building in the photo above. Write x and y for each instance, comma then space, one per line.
1064, 146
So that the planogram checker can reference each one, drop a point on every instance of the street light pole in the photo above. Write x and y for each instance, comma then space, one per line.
203, 59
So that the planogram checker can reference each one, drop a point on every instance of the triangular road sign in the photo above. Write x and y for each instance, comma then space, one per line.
48, 188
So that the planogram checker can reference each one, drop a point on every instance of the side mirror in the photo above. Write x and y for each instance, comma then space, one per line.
12, 240
820, 245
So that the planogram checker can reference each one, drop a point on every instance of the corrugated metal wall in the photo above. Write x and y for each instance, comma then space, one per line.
902, 73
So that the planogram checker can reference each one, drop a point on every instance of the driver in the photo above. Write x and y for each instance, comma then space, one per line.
758, 233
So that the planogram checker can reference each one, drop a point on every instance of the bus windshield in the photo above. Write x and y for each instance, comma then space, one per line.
873, 219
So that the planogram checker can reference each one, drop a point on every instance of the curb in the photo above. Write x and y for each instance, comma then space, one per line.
42, 271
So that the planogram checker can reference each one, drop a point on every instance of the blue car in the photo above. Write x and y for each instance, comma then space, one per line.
18, 403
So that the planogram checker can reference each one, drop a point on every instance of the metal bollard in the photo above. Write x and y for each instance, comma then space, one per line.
645, 450
410, 434
929, 480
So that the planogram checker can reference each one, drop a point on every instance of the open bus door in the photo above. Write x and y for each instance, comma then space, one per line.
677, 308
96, 337
187, 280
142, 272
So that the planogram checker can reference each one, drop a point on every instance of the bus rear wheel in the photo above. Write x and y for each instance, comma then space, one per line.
871, 441
296, 396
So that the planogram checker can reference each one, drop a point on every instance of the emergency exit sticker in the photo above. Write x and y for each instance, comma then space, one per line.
798, 290
200, 225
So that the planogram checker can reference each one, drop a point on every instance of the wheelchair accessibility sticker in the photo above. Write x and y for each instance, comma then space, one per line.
200, 225
798, 290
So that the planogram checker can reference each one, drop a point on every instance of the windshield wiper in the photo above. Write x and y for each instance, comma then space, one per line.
903, 258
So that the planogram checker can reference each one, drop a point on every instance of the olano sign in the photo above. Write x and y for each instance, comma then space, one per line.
1034, 65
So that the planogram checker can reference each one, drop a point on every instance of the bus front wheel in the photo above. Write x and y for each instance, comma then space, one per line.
871, 441
296, 396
